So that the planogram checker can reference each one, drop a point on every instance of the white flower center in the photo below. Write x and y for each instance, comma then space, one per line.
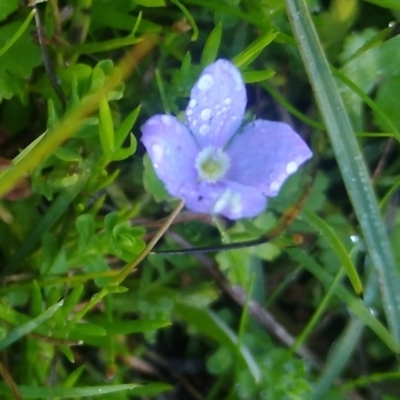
212, 164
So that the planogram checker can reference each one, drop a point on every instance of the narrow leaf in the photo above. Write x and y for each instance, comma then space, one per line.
349, 158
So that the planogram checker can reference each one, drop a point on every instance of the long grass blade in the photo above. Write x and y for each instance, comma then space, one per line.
349, 159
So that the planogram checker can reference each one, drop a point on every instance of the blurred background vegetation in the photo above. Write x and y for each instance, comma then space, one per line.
87, 312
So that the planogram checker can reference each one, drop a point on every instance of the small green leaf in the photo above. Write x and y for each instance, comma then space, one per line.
36, 299
116, 289
68, 153
106, 128
257, 76
73, 377
128, 327
88, 329
211, 47
86, 228
71, 300
122, 154
125, 127
66, 350
331, 237
151, 182
246, 57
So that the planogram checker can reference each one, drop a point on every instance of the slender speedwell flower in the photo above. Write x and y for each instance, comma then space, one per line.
212, 164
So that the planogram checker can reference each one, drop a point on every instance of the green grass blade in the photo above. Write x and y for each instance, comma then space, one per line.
33, 392
22, 330
337, 246
345, 346
354, 304
349, 159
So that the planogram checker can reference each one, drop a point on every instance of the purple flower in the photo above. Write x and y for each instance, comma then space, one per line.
213, 170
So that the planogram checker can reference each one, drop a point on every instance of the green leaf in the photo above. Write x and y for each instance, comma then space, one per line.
151, 182
16, 333
7, 7
209, 324
211, 47
85, 227
106, 128
150, 3
350, 160
393, 4
17, 63
122, 154
34, 392
71, 300
331, 237
116, 289
246, 57
128, 327
257, 76
354, 303
189, 17
125, 127
88, 329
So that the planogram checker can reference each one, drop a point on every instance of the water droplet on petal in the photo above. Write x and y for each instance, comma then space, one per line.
205, 82
192, 103
228, 101
165, 119
204, 129
291, 167
206, 114
189, 112
158, 152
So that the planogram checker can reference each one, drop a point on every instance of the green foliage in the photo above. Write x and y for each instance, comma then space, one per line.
87, 312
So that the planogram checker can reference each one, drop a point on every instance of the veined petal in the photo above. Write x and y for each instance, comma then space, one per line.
230, 199
264, 154
172, 151
217, 103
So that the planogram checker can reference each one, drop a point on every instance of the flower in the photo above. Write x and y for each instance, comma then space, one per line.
210, 163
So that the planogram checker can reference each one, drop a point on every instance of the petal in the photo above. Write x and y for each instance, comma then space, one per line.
264, 154
217, 104
230, 199
172, 151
